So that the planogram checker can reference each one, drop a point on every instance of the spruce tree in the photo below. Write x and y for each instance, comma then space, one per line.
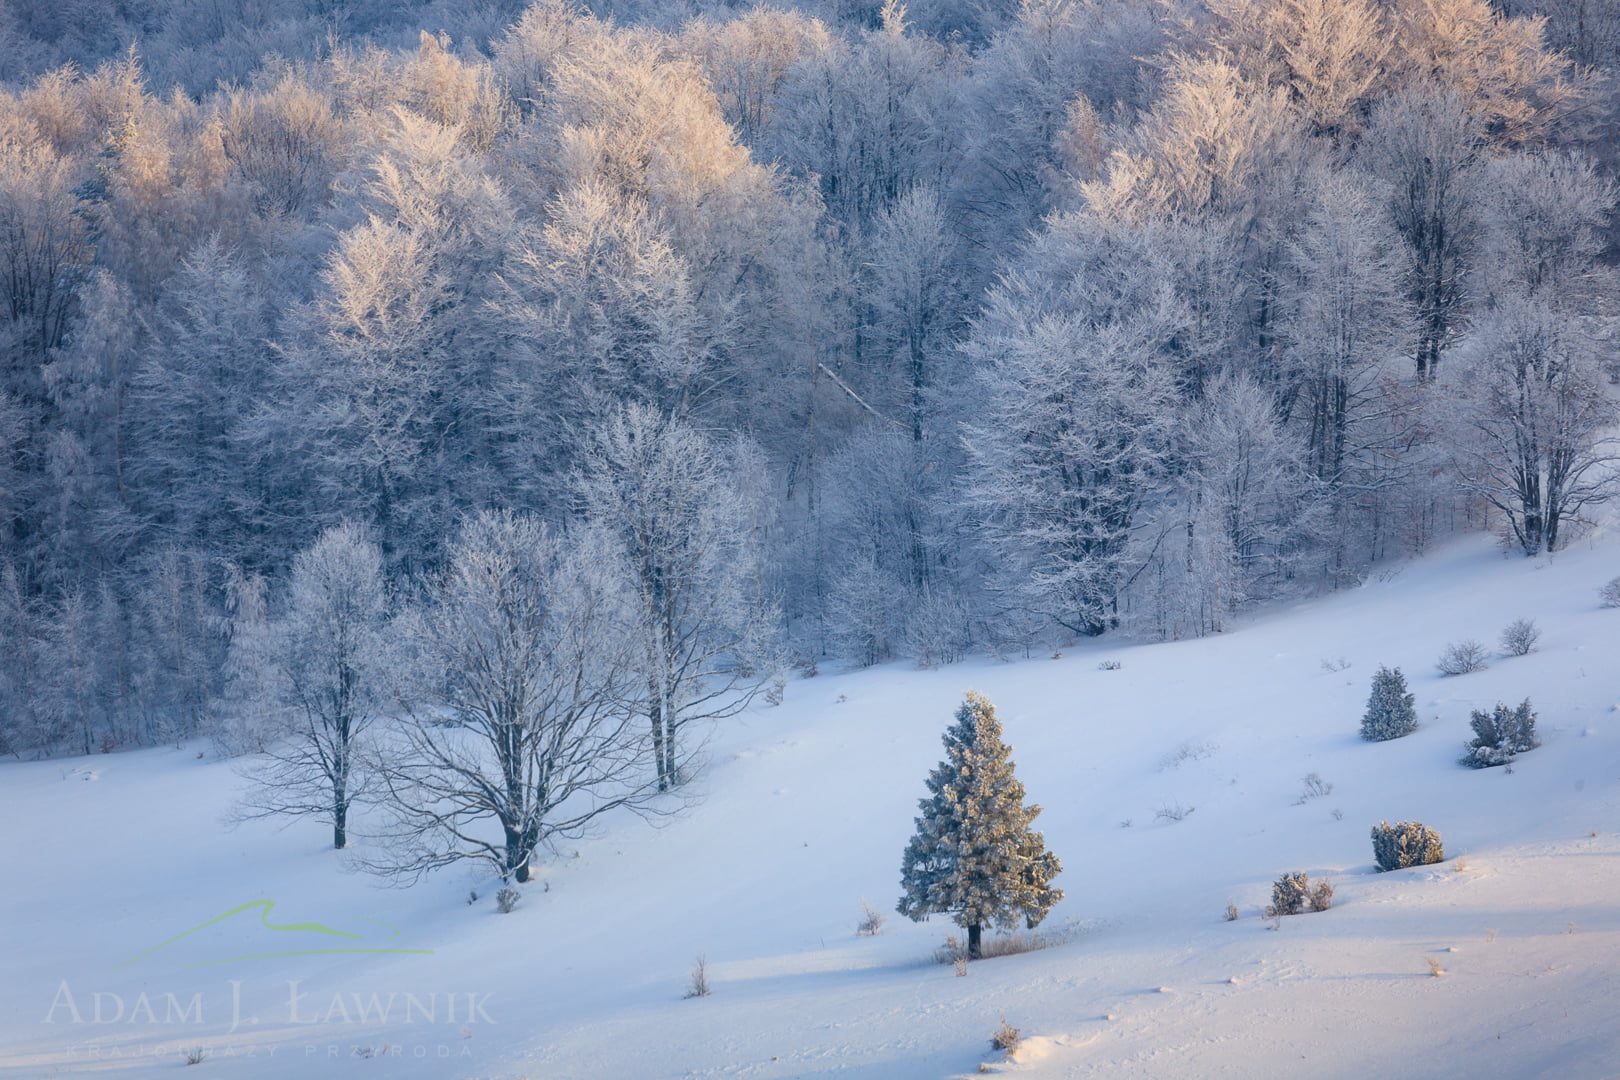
974, 855
1389, 709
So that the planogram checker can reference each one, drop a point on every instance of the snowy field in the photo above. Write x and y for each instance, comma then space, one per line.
804, 810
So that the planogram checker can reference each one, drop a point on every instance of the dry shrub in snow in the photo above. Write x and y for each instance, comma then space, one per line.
1314, 788
507, 900
953, 951
1462, 657
1405, 843
1010, 945
871, 920
1173, 812
1006, 1037
699, 984
1320, 897
1519, 637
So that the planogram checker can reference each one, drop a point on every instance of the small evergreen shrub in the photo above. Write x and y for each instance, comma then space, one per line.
1500, 734
1389, 714
1519, 637
1609, 595
1405, 843
1289, 895
1461, 657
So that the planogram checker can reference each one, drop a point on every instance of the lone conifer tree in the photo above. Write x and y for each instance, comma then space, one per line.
974, 855
1389, 709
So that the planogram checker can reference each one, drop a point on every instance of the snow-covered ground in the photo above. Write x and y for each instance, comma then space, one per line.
804, 811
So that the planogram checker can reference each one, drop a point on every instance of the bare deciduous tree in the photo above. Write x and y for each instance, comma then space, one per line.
1539, 415
520, 727
328, 655
673, 501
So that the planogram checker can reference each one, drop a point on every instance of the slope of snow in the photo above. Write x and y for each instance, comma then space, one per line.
803, 812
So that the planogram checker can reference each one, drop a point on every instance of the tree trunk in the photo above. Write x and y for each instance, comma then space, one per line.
659, 739
340, 826
519, 846
973, 941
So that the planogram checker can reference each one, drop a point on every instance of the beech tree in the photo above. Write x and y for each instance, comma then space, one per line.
1073, 435
974, 856
1539, 414
521, 727
1425, 144
686, 556
328, 659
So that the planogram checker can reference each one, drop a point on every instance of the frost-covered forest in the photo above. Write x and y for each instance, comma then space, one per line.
763, 335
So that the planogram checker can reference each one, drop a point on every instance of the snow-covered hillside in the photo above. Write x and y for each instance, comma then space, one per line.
803, 811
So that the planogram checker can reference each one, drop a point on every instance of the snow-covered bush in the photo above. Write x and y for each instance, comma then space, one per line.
1320, 897
506, 901
1500, 734
1389, 712
1405, 843
1519, 637
1461, 657
1609, 595
1289, 894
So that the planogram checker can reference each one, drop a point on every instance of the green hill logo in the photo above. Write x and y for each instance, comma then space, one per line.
301, 938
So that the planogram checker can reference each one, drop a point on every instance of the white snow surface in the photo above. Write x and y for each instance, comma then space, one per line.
803, 811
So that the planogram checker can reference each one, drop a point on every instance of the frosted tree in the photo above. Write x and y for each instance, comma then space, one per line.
912, 288
1243, 511
202, 375
1071, 440
524, 647
378, 408
1543, 229
689, 560
974, 856
747, 59
1389, 712
286, 143
1328, 54
329, 658
43, 249
1044, 70
1346, 318
1425, 144
886, 538
1539, 448
869, 118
